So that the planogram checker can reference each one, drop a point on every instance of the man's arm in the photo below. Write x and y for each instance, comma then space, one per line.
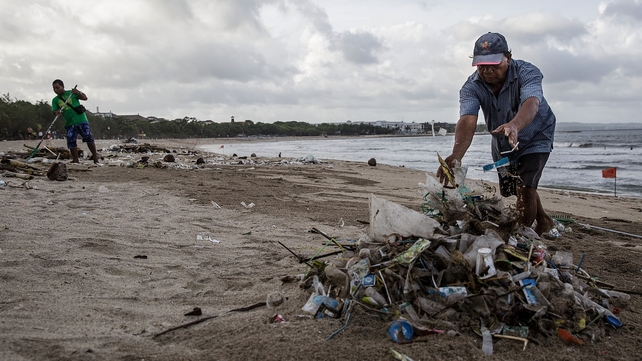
464, 133
524, 117
80, 94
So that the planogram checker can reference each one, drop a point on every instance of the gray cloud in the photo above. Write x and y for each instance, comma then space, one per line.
359, 47
624, 9
356, 46
310, 60
317, 16
562, 66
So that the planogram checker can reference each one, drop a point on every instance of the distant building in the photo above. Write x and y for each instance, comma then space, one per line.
401, 127
133, 117
102, 115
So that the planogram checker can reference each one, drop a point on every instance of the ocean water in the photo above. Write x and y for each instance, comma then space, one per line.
575, 164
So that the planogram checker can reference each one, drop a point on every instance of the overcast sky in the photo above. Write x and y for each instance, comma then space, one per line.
316, 60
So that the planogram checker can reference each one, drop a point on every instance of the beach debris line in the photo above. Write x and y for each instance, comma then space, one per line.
460, 266
132, 154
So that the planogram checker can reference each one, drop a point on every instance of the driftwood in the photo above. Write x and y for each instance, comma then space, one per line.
19, 164
17, 167
18, 175
49, 153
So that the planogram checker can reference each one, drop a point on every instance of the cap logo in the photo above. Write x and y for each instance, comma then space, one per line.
486, 47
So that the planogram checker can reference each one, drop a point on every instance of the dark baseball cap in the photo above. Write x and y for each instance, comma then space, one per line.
489, 49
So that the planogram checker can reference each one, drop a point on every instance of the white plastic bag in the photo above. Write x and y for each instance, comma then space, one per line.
388, 218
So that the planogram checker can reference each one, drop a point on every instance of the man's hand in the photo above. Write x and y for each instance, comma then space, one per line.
510, 131
57, 112
80, 94
464, 132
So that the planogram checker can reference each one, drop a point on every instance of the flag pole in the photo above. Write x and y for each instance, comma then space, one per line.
615, 186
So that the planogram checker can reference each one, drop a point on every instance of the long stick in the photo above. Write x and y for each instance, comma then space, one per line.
301, 259
314, 230
185, 325
610, 230
524, 340
35, 150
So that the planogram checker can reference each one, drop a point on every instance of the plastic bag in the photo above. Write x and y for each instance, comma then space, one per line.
388, 218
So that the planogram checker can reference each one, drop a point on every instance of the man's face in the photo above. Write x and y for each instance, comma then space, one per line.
494, 74
58, 89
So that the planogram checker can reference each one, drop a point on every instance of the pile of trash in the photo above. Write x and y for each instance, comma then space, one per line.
460, 266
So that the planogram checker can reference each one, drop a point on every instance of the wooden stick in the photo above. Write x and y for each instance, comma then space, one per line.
301, 259
315, 230
528, 260
596, 281
524, 340
49, 150
185, 325
319, 256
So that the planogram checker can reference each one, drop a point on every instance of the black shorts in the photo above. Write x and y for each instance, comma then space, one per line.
526, 174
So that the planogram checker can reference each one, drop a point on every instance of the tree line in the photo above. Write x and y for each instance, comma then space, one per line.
19, 117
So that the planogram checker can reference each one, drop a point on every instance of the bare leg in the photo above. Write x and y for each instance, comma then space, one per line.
74, 155
94, 154
530, 209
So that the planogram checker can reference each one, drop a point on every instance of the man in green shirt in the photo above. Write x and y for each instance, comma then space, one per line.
67, 102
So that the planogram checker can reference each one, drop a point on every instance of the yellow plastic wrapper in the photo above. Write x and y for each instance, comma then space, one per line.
411, 254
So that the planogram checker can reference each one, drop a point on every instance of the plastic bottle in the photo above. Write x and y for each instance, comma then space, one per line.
407, 308
618, 295
381, 301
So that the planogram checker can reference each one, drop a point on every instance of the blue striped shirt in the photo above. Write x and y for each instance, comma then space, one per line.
523, 81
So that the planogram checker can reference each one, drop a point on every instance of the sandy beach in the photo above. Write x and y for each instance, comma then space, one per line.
98, 266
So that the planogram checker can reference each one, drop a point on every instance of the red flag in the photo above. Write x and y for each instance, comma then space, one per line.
223, 146
608, 173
